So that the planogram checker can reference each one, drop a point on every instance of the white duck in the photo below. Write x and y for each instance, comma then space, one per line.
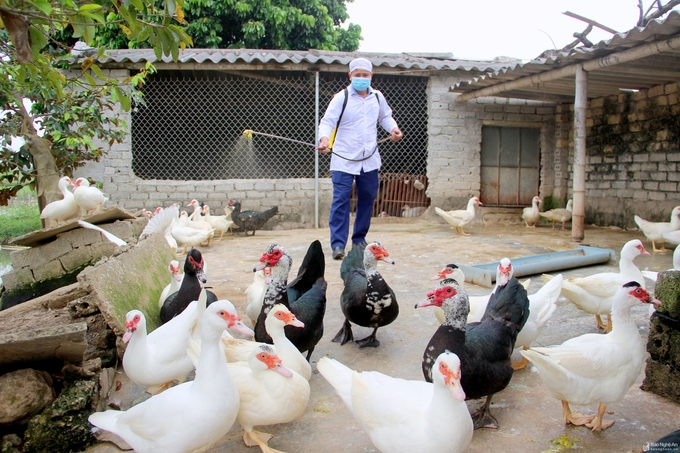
159, 358
532, 214
595, 368
401, 416
459, 218
542, 305
278, 317
594, 293
219, 223
559, 215
654, 231
504, 272
196, 219
270, 394
187, 236
255, 293
175, 282
192, 416
162, 222
64, 209
90, 199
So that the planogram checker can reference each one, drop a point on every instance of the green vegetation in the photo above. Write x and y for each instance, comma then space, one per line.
20, 217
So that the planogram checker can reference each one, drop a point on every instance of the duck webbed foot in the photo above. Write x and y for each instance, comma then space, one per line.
253, 438
483, 418
345, 334
575, 418
520, 365
370, 341
597, 424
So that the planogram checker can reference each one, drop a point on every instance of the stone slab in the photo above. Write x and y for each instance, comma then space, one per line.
130, 280
66, 342
107, 215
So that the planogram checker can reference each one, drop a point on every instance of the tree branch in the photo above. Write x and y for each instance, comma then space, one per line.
662, 10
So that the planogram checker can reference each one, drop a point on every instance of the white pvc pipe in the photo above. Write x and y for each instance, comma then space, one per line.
579, 170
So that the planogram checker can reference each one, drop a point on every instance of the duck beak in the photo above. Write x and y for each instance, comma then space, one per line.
456, 390
243, 329
127, 336
201, 276
387, 260
440, 275
282, 370
260, 267
296, 323
425, 303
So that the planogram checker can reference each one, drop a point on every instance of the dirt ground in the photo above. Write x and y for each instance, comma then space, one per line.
530, 419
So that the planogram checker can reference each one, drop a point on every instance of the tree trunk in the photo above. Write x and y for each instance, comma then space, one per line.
46, 172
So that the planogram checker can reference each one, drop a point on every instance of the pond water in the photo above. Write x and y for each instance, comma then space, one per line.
5, 263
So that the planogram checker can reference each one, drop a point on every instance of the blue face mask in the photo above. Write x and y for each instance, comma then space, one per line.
360, 84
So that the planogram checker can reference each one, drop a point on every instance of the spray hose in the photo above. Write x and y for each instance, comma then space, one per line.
248, 133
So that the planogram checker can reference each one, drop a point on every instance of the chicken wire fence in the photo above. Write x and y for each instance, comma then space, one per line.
192, 125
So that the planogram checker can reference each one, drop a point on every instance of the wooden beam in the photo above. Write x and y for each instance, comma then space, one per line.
591, 22
632, 54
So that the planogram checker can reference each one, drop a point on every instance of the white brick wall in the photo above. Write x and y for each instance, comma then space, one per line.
455, 136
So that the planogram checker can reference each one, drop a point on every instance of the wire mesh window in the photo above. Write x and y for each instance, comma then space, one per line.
192, 125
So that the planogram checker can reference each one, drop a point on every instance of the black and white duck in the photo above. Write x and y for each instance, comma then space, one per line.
367, 300
305, 296
194, 278
485, 347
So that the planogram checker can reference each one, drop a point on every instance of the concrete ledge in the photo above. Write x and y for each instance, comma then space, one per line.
66, 342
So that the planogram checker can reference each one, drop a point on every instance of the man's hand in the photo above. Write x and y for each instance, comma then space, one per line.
323, 145
396, 135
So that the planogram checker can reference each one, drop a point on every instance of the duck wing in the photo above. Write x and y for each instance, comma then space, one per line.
509, 304
312, 268
310, 308
354, 261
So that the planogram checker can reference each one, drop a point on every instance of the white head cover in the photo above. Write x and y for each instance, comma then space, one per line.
360, 63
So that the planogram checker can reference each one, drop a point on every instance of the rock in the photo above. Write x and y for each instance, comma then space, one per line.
24, 393
63, 426
10, 444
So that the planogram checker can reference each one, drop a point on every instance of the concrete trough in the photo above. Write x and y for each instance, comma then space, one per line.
485, 274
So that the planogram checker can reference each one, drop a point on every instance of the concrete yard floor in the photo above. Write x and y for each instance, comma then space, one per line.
530, 418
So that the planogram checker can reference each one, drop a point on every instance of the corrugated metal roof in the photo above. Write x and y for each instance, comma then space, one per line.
639, 74
401, 62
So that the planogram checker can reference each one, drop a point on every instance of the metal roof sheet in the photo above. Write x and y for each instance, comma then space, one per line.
400, 61
639, 74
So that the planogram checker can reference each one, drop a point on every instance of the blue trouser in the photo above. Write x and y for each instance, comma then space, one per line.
367, 189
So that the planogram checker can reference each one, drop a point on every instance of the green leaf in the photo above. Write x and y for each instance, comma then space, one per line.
94, 17
137, 4
90, 79
124, 102
38, 41
89, 7
166, 40
170, 7
42, 5
97, 70
143, 34
174, 50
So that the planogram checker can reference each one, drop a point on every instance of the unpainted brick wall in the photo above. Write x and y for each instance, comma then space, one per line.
633, 150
